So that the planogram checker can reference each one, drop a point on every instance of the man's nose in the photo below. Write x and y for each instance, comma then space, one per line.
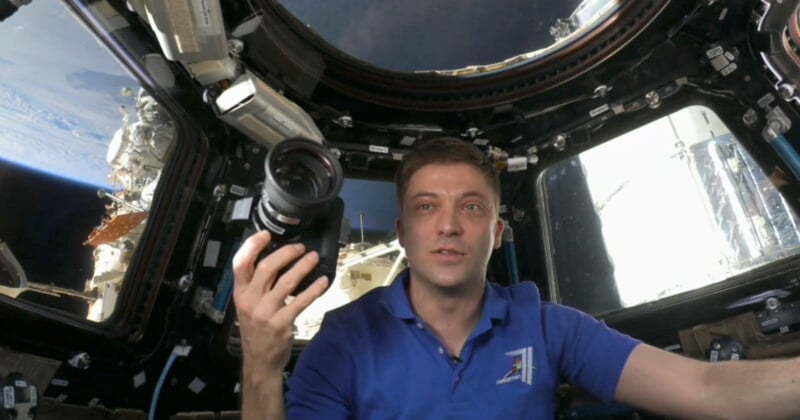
449, 223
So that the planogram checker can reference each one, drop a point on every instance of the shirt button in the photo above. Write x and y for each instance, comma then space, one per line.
441, 350
420, 326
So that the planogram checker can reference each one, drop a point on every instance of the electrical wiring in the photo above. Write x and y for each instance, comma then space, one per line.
178, 351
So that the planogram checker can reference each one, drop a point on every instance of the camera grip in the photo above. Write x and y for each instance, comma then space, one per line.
321, 236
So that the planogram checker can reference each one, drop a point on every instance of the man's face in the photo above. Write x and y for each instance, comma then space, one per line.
448, 225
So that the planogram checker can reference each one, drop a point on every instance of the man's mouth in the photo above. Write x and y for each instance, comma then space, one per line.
447, 251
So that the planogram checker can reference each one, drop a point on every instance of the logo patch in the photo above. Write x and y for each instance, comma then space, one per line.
521, 367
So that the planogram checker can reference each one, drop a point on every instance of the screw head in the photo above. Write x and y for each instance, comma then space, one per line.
772, 303
653, 99
786, 91
235, 47
750, 118
185, 283
518, 214
560, 142
601, 91
219, 191
345, 121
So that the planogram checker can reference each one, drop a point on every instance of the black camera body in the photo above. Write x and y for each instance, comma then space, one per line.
321, 235
299, 203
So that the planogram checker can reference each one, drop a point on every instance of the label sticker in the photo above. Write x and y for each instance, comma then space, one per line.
182, 350
241, 209
59, 382
769, 322
765, 100
719, 62
378, 149
730, 69
599, 110
238, 190
139, 379
8, 397
407, 140
206, 24
517, 164
714, 52
196, 385
212, 253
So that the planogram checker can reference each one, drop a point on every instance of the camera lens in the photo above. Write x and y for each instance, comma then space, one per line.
302, 175
302, 178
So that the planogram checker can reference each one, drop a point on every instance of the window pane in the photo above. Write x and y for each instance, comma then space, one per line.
425, 35
373, 257
81, 151
667, 208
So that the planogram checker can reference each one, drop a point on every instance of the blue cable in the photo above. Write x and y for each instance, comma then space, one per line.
511, 255
511, 258
224, 291
788, 154
176, 352
225, 287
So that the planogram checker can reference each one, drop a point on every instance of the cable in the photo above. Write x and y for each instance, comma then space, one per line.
510, 253
788, 153
178, 351
164, 333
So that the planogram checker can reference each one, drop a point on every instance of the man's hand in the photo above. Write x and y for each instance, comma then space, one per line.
265, 319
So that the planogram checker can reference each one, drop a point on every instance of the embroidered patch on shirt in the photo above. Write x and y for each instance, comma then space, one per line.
521, 367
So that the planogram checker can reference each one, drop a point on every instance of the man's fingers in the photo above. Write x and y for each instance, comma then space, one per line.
268, 268
307, 297
245, 258
292, 277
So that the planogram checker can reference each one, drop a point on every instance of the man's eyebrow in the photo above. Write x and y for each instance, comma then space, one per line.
466, 194
424, 194
476, 194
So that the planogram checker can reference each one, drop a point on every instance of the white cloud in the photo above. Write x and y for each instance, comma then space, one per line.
46, 122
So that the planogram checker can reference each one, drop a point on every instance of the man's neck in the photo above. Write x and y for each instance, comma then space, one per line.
451, 314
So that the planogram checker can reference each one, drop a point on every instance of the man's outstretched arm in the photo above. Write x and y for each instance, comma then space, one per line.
670, 384
266, 320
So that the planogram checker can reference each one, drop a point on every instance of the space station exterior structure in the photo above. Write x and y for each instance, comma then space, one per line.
136, 156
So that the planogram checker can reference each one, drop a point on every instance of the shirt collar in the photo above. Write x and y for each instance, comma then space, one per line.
495, 307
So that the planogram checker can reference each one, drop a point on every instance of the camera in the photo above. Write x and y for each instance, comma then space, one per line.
299, 203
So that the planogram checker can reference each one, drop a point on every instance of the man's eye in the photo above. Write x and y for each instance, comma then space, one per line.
424, 207
473, 207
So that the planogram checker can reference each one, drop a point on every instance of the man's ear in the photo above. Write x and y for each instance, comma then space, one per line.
398, 227
498, 232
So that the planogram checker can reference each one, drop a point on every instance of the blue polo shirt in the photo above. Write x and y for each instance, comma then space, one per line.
375, 359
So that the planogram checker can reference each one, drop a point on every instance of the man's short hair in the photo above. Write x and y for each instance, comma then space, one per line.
445, 150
